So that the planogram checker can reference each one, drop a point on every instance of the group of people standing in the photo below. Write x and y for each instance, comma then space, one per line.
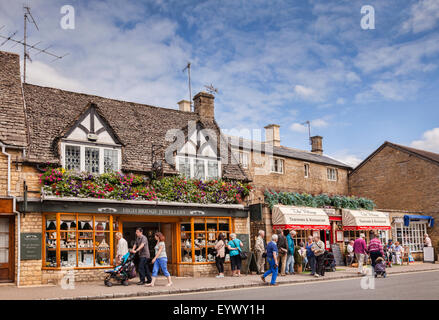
141, 248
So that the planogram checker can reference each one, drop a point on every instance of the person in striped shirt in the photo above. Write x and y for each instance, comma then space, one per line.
375, 249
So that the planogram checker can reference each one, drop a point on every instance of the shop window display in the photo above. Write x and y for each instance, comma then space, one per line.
186, 241
411, 236
84, 241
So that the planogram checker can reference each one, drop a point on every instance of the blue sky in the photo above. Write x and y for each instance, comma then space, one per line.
275, 61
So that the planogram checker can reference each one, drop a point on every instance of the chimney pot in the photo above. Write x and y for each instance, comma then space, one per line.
272, 135
204, 105
317, 144
184, 105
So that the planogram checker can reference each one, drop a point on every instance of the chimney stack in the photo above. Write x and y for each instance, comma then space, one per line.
204, 105
184, 105
272, 135
317, 144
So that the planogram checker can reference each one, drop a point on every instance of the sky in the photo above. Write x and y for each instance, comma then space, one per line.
277, 61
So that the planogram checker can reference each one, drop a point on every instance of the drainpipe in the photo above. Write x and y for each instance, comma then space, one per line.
18, 240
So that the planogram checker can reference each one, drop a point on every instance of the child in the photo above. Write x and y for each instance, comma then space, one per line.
380, 267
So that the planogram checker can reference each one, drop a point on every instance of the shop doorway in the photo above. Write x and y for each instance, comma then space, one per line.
149, 230
6, 249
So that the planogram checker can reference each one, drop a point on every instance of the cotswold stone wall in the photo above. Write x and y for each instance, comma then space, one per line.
397, 180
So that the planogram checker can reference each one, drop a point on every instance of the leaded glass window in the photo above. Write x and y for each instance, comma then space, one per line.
73, 158
110, 160
199, 169
184, 167
92, 160
212, 169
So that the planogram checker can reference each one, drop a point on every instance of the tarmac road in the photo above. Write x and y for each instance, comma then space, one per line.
414, 285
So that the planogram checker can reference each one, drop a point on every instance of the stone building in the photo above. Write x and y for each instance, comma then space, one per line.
403, 181
43, 236
274, 167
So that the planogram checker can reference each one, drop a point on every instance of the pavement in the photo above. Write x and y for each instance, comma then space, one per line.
97, 290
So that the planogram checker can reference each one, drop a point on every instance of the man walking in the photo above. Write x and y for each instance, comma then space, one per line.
350, 251
272, 258
290, 256
282, 246
360, 252
260, 247
318, 248
141, 247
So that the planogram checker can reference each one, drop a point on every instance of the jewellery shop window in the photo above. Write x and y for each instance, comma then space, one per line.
77, 240
204, 234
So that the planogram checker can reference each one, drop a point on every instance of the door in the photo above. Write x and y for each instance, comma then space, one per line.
6, 249
167, 230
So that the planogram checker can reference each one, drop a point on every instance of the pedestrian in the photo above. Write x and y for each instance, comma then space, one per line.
398, 252
289, 269
272, 258
350, 252
310, 255
360, 252
160, 261
122, 247
220, 248
302, 253
282, 246
389, 252
375, 249
260, 250
142, 249
234, 247
318, 248
427, 241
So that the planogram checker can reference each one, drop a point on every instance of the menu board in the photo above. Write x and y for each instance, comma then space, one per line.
30, 246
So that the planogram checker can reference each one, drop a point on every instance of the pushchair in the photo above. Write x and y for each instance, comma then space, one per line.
123, 272
329, 261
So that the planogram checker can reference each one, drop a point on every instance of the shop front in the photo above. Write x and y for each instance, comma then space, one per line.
305, 220
79, 234
7, 248
356, 222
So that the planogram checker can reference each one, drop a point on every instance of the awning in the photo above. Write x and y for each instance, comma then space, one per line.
365, 220
300, 218
408, 218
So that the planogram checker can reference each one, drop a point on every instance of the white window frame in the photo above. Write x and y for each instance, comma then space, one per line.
82, 154
411, 236
307, 172
330, 176
272, 160
192, 161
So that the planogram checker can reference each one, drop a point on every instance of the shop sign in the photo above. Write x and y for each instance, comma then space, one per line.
30, 246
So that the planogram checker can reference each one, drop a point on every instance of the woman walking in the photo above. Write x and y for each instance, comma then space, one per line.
122, 247
160, 260
220, 255
310, 255
234, 246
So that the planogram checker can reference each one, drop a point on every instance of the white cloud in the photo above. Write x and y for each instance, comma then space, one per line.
424, 15
429, 141
348, 158
393, 90
316, 123
305, 93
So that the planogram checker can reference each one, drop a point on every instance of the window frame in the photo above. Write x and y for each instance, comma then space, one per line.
272, 164
307, 170
101, 149
411, 236
329, 177
192, 163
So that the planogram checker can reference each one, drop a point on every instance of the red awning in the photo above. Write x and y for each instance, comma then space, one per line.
365, 220
300, 218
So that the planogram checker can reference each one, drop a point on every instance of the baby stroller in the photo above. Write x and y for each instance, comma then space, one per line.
328, 261
123, 272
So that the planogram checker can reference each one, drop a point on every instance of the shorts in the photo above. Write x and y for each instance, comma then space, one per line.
236, 262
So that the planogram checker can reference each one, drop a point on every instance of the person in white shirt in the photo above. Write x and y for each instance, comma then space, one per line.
350, 251
427, 240
122, 247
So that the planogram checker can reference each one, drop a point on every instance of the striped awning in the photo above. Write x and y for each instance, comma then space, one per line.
365, 220
300, 218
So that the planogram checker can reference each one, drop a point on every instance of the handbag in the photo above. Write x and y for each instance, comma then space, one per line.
215, 252
242, 254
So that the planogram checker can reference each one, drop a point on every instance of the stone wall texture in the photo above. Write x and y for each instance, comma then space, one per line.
398, 180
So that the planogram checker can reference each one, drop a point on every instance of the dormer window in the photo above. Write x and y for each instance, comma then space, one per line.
90, 145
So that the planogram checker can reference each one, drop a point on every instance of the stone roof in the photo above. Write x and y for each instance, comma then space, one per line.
12, 115
51, 112
287, 152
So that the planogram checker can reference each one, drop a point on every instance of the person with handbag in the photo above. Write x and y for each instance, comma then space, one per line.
318, 248
235, 253
260, 251
220, 255
282, 246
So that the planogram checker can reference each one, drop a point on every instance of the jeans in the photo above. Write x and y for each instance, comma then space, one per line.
273, 270
289, 268
360, 260
144, 269
160, 263
312, 264
320, 267
219, 264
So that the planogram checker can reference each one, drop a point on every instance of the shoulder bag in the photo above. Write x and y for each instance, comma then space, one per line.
242, 254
